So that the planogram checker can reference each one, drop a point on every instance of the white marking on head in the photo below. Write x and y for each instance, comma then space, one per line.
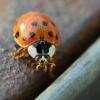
43, 59
22, 27
32, 51
52, 50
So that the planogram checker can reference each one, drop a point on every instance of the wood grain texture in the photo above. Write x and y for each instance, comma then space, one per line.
79, 76
79, 24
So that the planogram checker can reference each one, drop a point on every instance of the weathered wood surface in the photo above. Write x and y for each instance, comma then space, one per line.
79, 76
78, 22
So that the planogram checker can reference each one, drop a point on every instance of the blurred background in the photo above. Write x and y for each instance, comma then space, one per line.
78, 21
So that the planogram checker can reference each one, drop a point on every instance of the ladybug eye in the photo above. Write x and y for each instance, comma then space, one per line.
50, 34
45, 23
34, 23
32, 34
17, 35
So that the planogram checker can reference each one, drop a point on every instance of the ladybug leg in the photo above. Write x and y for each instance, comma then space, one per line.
42, 65
19, 53
45, 67
38, 66
33, 63
51, 68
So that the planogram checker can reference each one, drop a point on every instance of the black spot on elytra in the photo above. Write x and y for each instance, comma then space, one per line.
45, 23
24, 38
16, 34
32, 34
34, 23
50, 34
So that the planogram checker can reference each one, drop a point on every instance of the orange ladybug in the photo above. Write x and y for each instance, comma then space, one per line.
36, 32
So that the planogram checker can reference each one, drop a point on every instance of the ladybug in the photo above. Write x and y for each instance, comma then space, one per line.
37, 33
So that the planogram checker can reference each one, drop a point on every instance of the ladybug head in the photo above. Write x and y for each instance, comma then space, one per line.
41, 51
